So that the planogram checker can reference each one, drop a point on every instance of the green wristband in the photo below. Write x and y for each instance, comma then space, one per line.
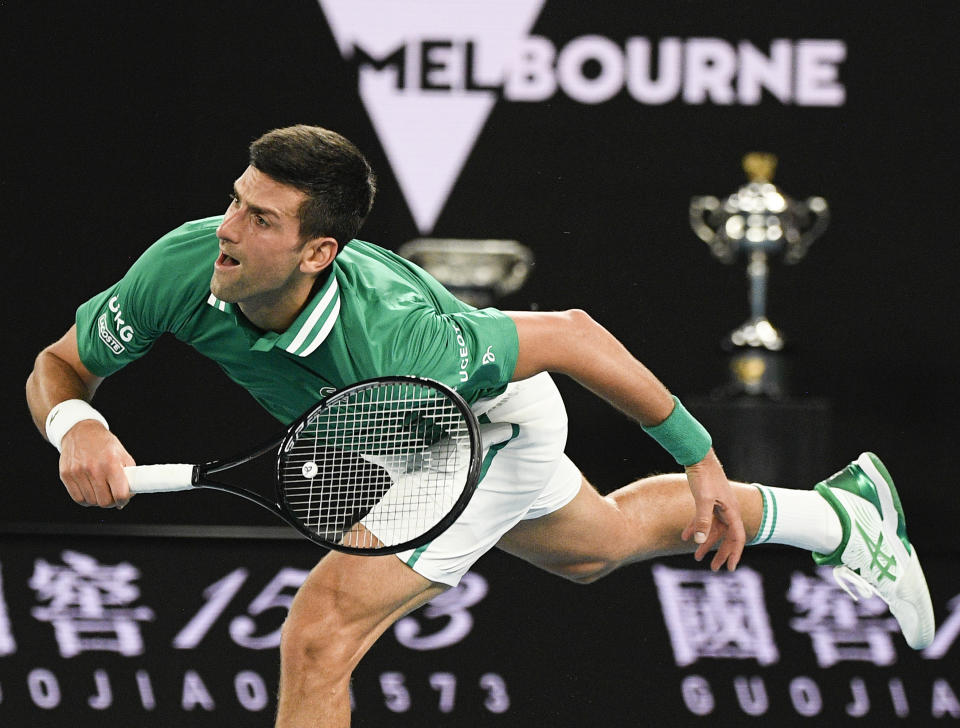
682, 436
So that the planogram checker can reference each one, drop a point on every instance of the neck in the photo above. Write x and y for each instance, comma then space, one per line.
277, 310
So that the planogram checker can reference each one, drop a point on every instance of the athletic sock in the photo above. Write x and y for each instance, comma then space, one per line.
800, 518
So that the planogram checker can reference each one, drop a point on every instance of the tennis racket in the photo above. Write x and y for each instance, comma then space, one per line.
378, 467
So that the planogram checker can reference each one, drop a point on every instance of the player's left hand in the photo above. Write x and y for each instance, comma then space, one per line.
717, 518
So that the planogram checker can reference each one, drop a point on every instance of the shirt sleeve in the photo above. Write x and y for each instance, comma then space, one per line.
474, 351
112, 330
106, 339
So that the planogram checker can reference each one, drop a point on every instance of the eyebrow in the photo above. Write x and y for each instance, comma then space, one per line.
256, 209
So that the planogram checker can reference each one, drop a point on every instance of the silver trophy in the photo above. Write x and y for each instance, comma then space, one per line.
752, 224
475, 271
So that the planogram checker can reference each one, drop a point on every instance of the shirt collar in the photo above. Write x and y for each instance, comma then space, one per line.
311, 327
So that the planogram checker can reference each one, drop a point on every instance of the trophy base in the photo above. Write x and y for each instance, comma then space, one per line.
755, 372
777, 442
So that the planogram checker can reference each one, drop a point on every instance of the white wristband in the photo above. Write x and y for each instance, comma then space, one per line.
65, 415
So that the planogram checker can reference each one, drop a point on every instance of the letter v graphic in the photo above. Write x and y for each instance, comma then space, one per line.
428, 133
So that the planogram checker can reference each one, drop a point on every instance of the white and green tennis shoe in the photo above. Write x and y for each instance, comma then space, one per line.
874, 555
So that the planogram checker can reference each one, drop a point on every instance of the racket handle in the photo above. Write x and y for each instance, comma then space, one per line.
159, 478
493, 433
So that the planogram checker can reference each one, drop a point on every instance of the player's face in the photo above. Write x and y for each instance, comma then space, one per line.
260, 247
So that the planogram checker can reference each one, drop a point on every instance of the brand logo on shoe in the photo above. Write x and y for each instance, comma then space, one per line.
880, 560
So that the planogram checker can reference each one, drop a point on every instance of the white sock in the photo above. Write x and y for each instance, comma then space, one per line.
800, 518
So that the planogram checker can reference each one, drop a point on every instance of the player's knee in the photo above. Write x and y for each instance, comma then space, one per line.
306, 644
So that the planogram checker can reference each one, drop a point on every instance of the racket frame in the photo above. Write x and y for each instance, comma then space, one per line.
201, 473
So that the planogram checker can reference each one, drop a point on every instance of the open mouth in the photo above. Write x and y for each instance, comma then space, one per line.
225, 261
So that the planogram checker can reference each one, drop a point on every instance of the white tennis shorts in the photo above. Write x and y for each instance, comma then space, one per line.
527, 476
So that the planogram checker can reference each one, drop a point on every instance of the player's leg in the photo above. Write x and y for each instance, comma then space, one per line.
341, 609
593, 535
853, 520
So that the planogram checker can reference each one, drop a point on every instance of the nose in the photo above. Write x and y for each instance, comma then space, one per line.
227, 225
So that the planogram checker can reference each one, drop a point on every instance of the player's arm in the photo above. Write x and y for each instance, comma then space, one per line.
92, 458
572, 343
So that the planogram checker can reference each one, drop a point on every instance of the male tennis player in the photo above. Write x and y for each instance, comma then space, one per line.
279, 293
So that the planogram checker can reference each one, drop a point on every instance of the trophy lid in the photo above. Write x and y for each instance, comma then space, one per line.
760, 166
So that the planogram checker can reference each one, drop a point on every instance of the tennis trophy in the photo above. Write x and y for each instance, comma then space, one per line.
754, 224
476, 271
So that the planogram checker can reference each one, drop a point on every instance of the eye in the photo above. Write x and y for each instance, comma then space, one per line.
260, 220
233, 198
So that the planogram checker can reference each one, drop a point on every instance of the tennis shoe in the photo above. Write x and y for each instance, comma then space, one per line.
874, 555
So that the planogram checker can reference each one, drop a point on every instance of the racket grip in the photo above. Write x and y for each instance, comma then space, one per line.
493, 433
159, 478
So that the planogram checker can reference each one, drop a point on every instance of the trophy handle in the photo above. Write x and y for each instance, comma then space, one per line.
814, 216
700, 209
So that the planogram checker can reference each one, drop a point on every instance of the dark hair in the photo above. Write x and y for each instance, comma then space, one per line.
339, 183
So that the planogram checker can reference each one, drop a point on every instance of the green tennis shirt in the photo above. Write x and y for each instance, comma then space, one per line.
376, 314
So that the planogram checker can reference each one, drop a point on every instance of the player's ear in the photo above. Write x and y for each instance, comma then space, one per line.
317, 254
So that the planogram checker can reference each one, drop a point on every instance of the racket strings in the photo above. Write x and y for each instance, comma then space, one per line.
392, 458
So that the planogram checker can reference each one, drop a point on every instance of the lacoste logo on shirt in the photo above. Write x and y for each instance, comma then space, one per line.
107, 337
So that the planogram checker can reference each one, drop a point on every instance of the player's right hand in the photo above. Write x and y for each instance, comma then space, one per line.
92, 460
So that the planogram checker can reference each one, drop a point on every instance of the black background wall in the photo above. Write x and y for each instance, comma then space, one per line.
122, 120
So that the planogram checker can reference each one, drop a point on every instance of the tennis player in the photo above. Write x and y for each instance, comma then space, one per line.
281, 295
